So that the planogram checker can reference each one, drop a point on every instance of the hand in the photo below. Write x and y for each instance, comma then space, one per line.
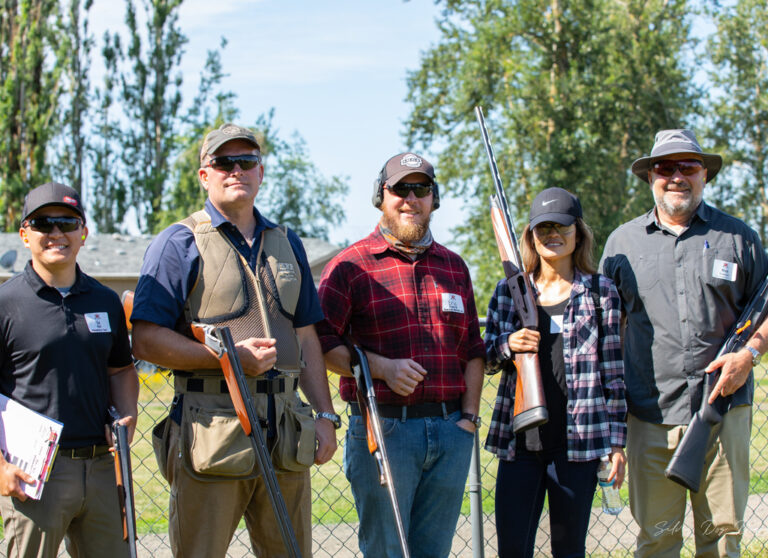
402, 375
257, 355
524, 341
325, 436
618, 460
129, 421
734, 371
467, 425
10, 475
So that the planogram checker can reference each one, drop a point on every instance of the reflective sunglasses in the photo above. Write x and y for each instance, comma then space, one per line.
687, 167
402, 189
227, 163
543, 229
46, 224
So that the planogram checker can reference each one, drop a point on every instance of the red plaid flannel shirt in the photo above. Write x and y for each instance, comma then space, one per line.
403, 308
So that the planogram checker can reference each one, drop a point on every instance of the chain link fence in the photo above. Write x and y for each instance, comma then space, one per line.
333, 510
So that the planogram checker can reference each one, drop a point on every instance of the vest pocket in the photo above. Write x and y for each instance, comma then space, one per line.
295, 446
214, 445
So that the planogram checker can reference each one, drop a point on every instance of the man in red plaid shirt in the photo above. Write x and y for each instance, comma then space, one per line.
408, 301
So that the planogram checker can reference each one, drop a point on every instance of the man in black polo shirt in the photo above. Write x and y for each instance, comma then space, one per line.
64, 352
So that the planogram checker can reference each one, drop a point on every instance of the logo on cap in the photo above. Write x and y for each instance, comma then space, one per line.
70, 201
411, 161
231, 130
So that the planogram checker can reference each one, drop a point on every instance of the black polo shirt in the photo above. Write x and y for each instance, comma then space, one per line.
55, 350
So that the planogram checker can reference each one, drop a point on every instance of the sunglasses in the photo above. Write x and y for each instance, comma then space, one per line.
402, 189
686, 167
543, 229
46, 224
227, 163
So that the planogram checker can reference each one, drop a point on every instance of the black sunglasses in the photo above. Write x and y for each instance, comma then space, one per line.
402, 189
667, 168
46, 224
227, 163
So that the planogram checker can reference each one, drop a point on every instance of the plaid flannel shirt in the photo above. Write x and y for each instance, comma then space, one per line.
422, 309
594, 371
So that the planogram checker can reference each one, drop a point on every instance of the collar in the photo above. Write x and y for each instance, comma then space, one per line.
650, 221
37, 284
379, 245
217, 219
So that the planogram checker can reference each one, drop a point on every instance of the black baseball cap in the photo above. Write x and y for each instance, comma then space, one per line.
52, 193
555, 205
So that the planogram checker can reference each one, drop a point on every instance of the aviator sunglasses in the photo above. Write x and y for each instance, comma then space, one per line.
226, 163
46, 224
686, 167
402, 189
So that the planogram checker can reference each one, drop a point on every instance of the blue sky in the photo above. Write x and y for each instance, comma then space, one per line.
333, 70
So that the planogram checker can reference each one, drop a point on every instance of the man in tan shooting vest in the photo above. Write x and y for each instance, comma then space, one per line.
227, 265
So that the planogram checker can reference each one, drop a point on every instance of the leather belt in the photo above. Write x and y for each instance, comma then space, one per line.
86, 452
417, 410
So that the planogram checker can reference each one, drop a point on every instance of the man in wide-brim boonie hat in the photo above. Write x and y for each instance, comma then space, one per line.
674, 142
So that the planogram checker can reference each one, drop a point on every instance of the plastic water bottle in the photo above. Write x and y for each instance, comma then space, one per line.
611, 498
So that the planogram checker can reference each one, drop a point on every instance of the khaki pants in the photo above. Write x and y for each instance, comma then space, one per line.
204, 515
658, 504
79, 502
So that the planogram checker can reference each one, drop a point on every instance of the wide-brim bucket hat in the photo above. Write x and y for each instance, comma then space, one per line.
674, 142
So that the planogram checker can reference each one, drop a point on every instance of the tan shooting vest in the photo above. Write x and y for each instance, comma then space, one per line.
228, 293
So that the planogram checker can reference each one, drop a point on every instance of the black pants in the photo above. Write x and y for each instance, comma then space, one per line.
520, 488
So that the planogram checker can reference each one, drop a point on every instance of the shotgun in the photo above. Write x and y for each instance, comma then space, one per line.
369, 410
124, 478
687, 463
219, 339
530, 408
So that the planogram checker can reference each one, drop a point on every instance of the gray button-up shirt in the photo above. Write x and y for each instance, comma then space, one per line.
681, 295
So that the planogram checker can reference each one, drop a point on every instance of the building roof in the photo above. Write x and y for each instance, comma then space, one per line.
108, 256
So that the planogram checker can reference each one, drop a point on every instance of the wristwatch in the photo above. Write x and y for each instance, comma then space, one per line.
474, 419
333, 417
756, 356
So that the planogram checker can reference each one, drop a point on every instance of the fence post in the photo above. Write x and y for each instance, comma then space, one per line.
476, 501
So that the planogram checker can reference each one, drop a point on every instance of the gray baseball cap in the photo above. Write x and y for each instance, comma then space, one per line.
555, 205
224, 133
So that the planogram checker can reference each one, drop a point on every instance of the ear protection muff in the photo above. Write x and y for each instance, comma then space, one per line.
378, 193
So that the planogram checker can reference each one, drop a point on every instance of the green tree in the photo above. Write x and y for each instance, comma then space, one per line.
574, 90
151, 101
739, 54
30, 86
108, 199
294, 192
75, 50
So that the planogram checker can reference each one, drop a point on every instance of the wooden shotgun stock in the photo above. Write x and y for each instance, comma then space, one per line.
530, 408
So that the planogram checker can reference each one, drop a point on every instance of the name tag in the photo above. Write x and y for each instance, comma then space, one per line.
556, 324
98, 322
453, 303
724, 270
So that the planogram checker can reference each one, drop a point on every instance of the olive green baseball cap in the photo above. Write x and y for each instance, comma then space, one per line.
224, 133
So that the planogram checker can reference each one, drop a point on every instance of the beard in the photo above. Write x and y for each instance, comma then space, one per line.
406, 233
682, 208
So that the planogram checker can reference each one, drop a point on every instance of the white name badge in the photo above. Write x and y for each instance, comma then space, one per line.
556, 324
98, 322
453, 303
724, 270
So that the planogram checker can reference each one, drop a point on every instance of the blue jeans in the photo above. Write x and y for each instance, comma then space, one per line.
520, 488
429, 459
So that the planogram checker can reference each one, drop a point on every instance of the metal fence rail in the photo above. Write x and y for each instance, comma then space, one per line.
335, 519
